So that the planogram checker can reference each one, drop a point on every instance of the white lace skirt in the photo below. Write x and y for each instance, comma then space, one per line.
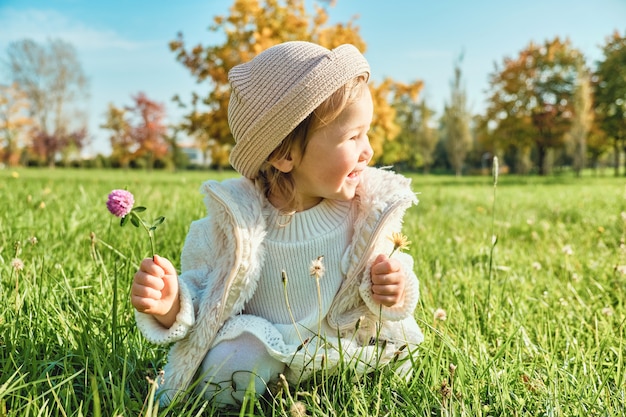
304, 353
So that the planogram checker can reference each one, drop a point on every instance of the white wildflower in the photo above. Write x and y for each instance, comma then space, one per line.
607, 311
317, 268
17, 264
440, 314
297, 409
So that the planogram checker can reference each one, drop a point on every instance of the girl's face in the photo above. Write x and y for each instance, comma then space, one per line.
335, 155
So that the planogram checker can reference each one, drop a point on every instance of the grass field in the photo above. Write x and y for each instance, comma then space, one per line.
534, 325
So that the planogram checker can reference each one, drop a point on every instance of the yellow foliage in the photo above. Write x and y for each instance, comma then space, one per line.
251, 27
14, 123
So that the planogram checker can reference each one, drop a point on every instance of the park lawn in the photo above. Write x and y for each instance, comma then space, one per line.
534, 323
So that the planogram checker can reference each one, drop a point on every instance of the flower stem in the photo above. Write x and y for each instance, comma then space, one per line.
319, 307
148, 230
285, 279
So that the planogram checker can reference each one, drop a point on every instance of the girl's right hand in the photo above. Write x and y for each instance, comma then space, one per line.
155, 290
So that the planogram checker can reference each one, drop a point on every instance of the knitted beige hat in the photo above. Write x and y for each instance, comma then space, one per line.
277, 90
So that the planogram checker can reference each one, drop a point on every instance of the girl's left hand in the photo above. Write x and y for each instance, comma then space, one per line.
388, 281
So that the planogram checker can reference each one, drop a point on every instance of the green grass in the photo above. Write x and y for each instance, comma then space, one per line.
548, 340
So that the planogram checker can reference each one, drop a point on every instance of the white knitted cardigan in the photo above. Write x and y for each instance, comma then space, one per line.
223, 257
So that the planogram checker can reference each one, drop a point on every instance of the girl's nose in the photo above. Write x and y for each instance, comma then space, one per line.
367, 153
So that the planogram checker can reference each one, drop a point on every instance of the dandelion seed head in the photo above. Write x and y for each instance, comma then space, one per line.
120, 202
297, 409
567, 250
607, 311
17, 264
536, 266
317, 268
621, 269
440, 314
33, 240
452, 369
283, 381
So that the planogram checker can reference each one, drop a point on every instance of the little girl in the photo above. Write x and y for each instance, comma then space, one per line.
290, 271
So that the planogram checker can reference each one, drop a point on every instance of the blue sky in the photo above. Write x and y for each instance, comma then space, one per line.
122, 45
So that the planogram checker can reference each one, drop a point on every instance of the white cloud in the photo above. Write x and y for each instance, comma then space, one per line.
40, 25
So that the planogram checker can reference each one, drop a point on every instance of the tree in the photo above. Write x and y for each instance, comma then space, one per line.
576, 142
179, 158
457, 137
14, 122
403, 149
391, 124
610, 93
531, 102
52, 78
122, 144
138, 132
426, 136
251, 27
47, 147
147, 129
597, 144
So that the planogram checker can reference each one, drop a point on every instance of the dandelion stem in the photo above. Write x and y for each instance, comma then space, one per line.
319, 315
293, 320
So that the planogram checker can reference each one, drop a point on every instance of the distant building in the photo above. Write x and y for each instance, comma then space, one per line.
194, 154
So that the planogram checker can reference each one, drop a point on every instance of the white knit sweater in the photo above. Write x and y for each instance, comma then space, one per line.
291, 244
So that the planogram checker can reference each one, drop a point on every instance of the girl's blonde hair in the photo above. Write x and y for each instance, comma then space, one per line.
275, 182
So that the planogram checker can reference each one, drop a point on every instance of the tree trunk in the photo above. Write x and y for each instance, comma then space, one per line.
616, 156
541, 156
624, 148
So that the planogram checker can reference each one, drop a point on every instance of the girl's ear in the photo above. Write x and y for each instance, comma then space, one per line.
284, 164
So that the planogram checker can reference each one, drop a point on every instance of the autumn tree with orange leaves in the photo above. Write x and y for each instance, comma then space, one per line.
531, 106
402, 148
122, 144
138, 132
14, 123
251, 27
